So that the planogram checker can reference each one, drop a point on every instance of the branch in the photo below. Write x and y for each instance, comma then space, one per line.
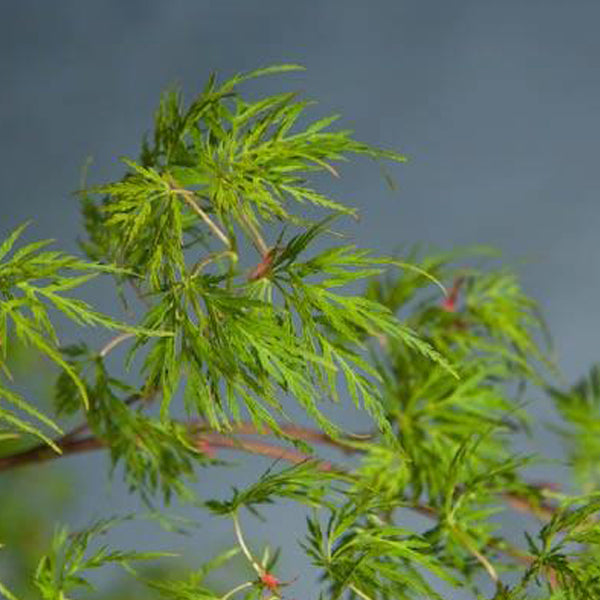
43, 453
202, 439
297, 432
112, 344
68, 445
217, 440
189, 199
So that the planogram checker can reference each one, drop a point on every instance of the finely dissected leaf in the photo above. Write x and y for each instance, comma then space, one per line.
6, 592
63, 568
220, 237
191, 588
303, 483
9, 242
156, 455
358, 552
573, 568
229, 167
31, 281
14, 421
580, 409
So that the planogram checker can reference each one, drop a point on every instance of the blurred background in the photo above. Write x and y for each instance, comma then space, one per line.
495, 103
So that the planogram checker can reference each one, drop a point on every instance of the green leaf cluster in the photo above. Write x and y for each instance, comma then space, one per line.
64, 568
33, 281
579, 408
216, 179
252, 312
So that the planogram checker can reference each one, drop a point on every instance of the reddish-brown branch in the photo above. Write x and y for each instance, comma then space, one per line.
83, 427
216, 440
43, 453
543, 511
207, 441
297, 432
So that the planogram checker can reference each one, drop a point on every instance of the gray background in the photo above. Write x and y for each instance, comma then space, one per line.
496, 104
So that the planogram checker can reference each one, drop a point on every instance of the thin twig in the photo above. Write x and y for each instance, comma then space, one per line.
358, 592
211, 258
255, 236
69, 444
245, 550
189, 199
216, 440
293, 431
112, 344
487, 565
237, 589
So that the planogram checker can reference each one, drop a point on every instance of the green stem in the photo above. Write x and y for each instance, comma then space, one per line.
359, 592
237, 589
244, 547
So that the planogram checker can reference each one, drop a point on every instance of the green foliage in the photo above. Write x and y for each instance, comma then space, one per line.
156, 455
193, 587
63, 568
216, 174
33, 280
359, 551
574, 570
250, 311
302, 483
580, 409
